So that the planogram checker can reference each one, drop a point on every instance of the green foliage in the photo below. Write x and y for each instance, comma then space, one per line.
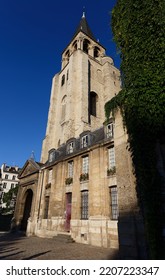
139, 31
9, 197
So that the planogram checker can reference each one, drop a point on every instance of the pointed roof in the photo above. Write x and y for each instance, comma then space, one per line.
84, 27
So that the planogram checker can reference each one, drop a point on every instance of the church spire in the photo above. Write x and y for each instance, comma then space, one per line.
84, 27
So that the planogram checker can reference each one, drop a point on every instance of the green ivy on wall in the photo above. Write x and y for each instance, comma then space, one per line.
139, 32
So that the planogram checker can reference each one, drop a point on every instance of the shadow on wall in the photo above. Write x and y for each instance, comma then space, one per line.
131, 233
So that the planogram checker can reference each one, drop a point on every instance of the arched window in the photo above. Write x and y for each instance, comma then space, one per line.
74, 46
63, 80
96, 52
92, 103
86, 45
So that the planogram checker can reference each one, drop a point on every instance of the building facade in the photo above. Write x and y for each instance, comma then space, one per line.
84, 184
8, 180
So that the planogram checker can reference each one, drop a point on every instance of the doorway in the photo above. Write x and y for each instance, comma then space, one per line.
27, 209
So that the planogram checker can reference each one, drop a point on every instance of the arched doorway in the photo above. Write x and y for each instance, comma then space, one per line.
27, 209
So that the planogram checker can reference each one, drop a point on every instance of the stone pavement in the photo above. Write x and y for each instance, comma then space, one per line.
16, 246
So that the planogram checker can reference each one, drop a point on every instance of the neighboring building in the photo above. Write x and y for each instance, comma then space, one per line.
84, 184
8, 180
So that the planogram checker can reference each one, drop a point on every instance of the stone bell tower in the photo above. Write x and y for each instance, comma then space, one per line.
87, 80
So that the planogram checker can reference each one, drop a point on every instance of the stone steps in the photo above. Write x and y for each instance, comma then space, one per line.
64, 238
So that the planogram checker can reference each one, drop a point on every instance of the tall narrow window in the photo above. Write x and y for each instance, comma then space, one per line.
63, 80
96, 51
63, 108
86, 45
70, 169
111, 157
114, 203
84, 205
75, 46
92, 103
46, 209
85, 164
67, 75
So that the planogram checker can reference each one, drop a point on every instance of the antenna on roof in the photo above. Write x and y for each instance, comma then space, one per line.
32, 156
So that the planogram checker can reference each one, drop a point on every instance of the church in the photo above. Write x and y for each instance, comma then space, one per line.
83, 185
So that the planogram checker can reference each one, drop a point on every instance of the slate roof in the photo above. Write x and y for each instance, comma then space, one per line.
96, 137
84, 27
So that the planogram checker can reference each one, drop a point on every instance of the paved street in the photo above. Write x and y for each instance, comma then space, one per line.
16, 246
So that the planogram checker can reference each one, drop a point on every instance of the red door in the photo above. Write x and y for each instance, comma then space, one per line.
68, 211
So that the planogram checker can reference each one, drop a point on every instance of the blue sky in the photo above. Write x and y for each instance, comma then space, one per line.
33, 35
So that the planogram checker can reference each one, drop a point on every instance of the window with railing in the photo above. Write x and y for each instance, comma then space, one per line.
114, 203
111, 170
69, 179
85, 169
85, 164
70, 168
84, 205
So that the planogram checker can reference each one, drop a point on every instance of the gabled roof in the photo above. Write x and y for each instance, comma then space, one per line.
30, 167
84, 27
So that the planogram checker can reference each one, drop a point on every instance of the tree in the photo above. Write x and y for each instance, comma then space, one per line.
139, 31
10, 199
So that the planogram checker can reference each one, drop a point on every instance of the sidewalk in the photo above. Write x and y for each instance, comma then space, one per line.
16, 246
